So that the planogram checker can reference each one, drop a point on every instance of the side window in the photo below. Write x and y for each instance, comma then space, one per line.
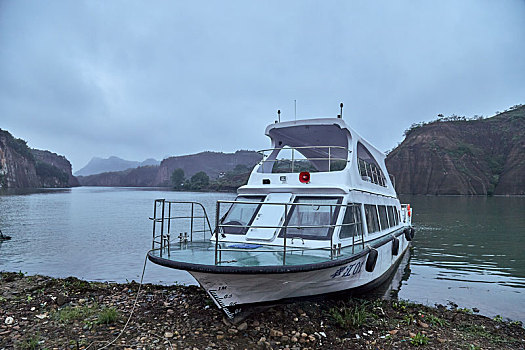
352, 225
382, 217
369, 169
391, 218
372, 221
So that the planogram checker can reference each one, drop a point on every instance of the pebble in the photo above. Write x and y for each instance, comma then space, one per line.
232, 331
422, 324
9, 320
243, 326
275, 333
393, 331
168, 335
411, 335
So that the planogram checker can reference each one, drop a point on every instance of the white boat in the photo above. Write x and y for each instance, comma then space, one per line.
318, 215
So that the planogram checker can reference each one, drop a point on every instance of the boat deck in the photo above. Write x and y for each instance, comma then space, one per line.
244, 255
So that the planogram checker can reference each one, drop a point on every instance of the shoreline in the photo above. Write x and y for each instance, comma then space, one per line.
40, 312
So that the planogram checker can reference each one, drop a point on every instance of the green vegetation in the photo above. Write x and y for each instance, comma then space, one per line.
200, 181
30, 343
70, 314
107, 316
436, 321
47, 171
177, 178
419, 340
18, 145
475, 330
351, 317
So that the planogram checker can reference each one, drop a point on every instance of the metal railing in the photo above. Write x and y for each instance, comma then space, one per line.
163, 240
293, 160
406, 213
335, 250
164, 223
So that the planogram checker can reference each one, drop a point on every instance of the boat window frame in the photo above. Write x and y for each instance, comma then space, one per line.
391, 219
330, 231
357, 223
383, 219
374, 210
245, 229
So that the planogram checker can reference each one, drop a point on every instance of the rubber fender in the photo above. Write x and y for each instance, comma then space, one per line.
408, 236
371, 260
395, 246
412, 232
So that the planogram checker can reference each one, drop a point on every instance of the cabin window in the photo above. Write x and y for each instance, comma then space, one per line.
241, 215
312, 218
352, 223
396, 216
383, 219
369, 169
372, 221
391, 218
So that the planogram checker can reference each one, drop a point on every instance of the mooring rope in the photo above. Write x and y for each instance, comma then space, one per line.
131, 313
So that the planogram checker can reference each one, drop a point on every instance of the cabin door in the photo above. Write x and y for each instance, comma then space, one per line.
269, 215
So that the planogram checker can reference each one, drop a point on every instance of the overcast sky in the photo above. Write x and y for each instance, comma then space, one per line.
158, 78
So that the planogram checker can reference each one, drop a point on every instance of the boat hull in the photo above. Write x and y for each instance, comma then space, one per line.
231, 290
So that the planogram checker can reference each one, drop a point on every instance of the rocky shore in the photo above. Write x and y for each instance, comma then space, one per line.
38, 312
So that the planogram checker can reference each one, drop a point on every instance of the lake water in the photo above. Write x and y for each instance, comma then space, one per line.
467, 250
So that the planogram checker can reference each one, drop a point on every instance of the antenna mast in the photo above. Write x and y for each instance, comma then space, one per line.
295, 109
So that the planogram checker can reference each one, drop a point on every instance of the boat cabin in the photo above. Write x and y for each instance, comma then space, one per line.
320, 181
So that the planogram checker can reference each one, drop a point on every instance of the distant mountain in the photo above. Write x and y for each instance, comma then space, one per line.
453, 156
212, 163
100, 165
23, 167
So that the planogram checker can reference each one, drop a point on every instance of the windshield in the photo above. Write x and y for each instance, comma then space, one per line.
312, 218
240, 215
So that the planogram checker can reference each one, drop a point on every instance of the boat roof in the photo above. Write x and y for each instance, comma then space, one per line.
327, 131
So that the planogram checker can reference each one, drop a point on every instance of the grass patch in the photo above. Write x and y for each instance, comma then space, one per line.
436, 321
351, 317
419, 339
107, 316
70, 314
480, 331
30, 343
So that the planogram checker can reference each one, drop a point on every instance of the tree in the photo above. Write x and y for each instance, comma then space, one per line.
177, 178
200, 180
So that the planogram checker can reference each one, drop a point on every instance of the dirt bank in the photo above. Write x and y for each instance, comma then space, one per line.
38, 312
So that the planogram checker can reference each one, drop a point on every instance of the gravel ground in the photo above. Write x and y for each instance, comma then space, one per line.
38, 312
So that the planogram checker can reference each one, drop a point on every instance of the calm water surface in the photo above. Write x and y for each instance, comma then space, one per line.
467, 250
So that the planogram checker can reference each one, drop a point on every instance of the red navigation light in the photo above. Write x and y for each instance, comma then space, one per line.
304, 177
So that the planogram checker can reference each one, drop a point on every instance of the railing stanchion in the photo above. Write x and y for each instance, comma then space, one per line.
191, 225
329, 158
217, 213
154, 223
169, 217
284, 234
162, 227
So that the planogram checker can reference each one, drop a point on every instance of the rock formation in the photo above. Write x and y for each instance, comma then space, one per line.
22, 167
463, 157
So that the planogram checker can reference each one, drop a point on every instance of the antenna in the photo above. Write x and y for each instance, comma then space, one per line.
295, 109
279, 115
341, 105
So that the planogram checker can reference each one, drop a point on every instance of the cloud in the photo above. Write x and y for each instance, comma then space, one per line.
138, 79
